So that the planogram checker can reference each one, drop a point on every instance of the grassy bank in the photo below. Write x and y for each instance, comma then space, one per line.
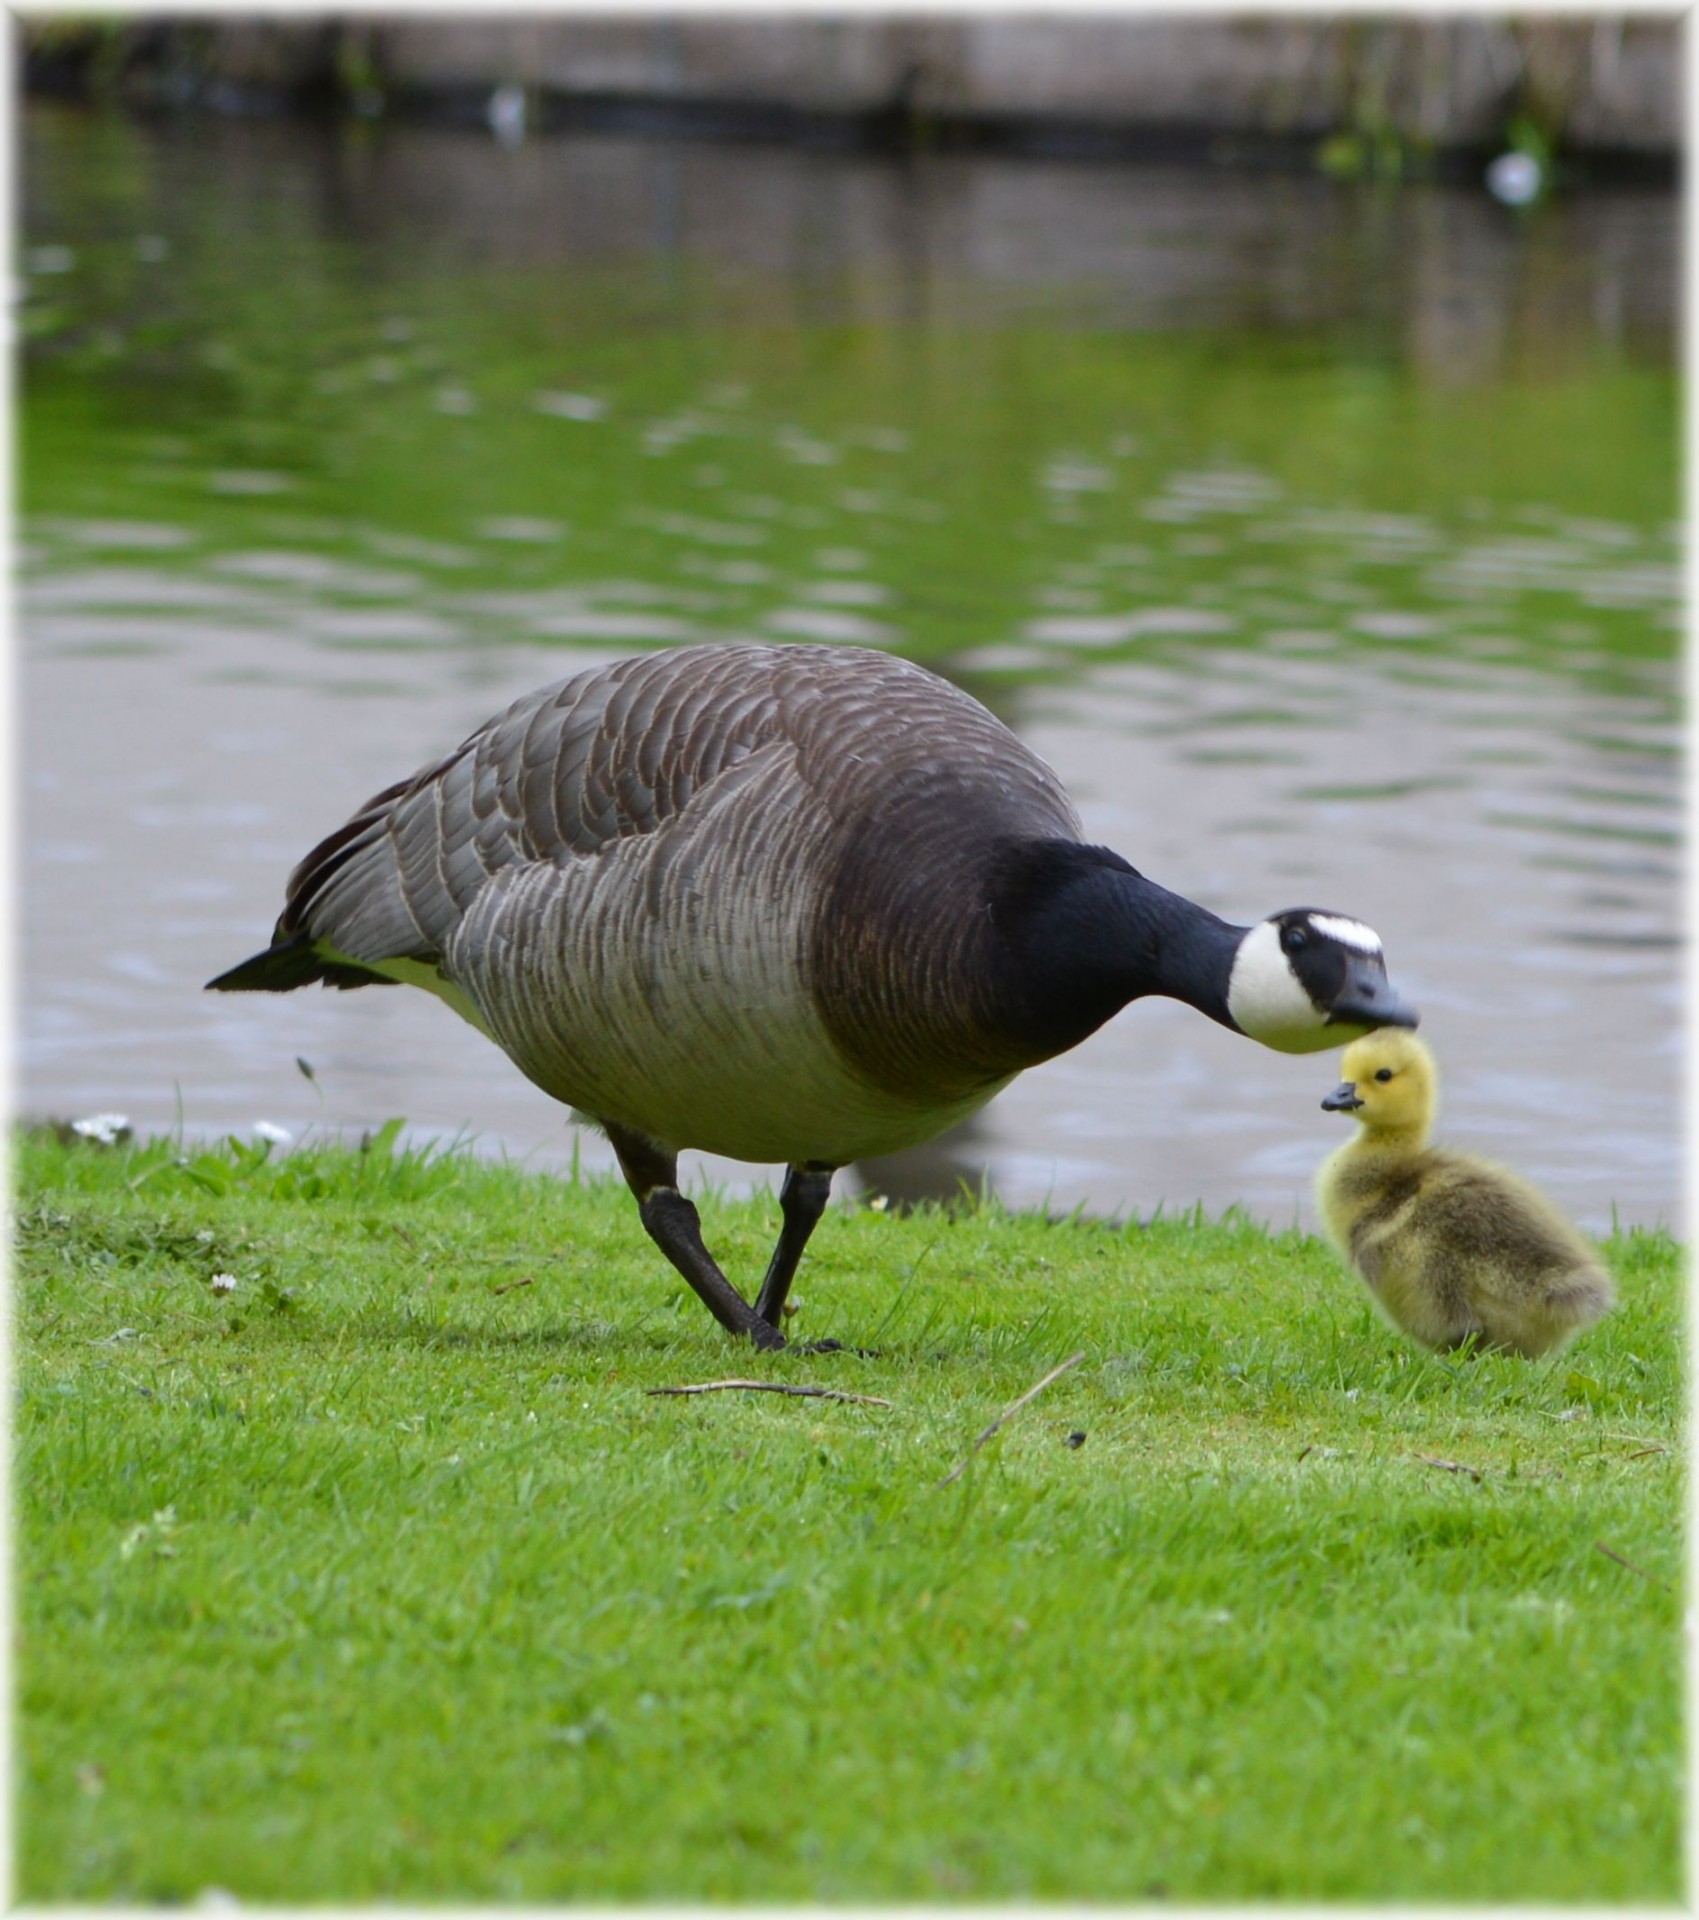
383, 1574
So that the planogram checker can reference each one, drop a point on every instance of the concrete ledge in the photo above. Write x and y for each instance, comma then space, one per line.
1606, 83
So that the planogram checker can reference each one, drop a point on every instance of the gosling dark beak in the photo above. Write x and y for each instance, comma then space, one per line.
1343, 1098
1368, 998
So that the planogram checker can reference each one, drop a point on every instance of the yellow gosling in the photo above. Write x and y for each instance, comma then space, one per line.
1451, 1247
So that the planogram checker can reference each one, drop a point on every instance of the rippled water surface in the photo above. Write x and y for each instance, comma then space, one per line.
1323, 541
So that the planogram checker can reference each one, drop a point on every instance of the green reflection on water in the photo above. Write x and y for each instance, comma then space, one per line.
675, 444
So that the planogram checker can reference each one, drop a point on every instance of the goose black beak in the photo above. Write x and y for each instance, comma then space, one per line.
1343, 1098
1369, 999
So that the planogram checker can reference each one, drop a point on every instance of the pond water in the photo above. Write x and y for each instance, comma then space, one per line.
1322, 538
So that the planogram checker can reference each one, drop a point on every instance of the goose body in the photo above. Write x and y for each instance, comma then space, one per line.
1451, 1246
790, 904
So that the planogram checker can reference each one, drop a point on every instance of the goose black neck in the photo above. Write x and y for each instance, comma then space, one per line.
1081, 933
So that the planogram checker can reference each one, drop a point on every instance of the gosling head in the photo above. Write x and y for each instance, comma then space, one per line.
1307, 979
1389, 1082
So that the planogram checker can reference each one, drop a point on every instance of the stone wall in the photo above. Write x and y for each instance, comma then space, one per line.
1604, 82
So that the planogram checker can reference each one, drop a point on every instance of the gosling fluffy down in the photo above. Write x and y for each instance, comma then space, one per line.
1450, 1246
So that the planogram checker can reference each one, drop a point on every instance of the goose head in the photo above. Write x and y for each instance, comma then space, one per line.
1388, 1082
1307, 979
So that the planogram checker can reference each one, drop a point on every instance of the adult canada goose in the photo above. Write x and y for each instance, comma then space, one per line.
1450, 1246
799, 904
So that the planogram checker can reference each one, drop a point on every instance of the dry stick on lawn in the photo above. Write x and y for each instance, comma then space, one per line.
1010, 1411
512, 1285
1611, 1553
1450, 1466
775, 1386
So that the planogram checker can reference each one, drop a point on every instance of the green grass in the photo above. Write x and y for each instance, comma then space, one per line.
383, 1576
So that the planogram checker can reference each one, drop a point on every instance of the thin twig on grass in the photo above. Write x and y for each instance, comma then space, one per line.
1611, 1553
1010, 1411
1450, 1466
774, 1386
528, 1281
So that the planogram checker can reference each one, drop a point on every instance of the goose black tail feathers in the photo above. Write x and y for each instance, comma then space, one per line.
292, 963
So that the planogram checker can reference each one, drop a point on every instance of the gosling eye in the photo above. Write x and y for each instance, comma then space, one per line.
1385, 1074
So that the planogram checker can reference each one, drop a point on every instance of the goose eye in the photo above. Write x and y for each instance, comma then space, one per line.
1384, 1074
1293, 939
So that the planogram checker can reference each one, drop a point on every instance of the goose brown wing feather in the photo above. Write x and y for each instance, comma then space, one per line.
564, 772
614, 753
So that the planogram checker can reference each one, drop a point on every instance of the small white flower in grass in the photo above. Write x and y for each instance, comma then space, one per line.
224, 1283
570, 406
156, 1533
105, 1128
270, 1130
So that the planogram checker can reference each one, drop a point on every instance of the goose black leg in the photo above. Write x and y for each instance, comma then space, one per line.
802, 1200
674, 1225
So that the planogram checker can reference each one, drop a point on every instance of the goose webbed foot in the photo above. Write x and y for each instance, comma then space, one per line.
802, 1200
675, 1226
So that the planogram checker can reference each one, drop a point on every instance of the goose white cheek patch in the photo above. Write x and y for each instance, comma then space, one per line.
1349, 933
1267, 1000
